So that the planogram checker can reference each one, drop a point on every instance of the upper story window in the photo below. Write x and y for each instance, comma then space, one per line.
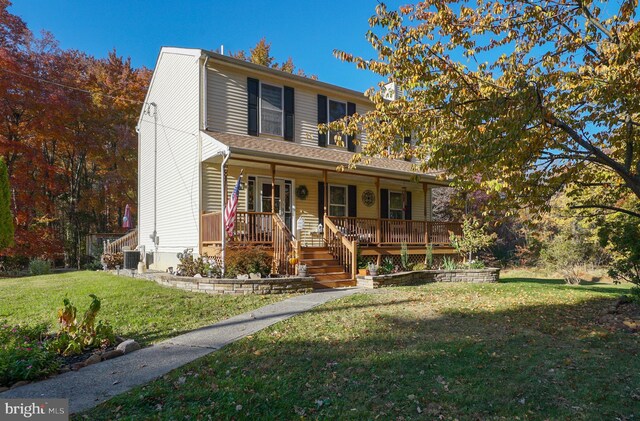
337, 111
271, 110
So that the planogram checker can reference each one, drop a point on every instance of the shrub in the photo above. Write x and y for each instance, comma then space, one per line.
449, 263
474, 238
386, 267
39, 267
74, 336
190, 266
24, 355
475, 264
248, 260
620, 234
420, 266
428, 256
404, 256
111, 260
568, 253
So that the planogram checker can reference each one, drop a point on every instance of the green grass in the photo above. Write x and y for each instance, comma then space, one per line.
526, 348
136, 308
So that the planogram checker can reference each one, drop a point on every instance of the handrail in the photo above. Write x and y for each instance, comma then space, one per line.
130, 239
341, 248
283, 247
387, 231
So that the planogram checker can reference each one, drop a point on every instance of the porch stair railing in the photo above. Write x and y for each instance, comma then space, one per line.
284, 247
345, 251
130, 240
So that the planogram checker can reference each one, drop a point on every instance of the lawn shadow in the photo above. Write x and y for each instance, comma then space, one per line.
404, 362
595, 286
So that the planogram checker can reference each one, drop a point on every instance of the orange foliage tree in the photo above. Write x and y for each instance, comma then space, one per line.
67, 135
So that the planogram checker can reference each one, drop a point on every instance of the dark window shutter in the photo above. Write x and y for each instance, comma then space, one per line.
384, 203
407, 210
288, 113
352, 196
253, 87
320, 202
407, 140
323, 118
351, 110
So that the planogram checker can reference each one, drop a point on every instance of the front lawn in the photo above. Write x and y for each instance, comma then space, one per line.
528, 348
136, 308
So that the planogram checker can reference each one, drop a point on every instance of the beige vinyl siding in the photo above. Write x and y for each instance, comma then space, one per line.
227, 103
211, 194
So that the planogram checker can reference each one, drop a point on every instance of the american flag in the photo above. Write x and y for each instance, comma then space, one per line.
231, 209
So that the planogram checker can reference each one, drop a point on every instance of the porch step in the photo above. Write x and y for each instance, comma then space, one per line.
332, 276
330, 267
316, 254
327, 272
334, 284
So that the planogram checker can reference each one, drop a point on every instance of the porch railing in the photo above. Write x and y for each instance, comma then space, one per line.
343, 249
130, 240
396, 231
284, 247
250, 228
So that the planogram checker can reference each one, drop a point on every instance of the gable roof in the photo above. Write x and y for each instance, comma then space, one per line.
291, 151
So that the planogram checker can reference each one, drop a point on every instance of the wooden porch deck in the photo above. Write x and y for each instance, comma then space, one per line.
342, 236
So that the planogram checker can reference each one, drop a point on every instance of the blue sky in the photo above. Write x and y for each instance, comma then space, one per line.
306, 31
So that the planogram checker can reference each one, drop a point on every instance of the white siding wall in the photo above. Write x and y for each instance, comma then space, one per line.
175, 90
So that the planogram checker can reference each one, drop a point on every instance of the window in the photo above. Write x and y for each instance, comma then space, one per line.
396, 205
337, 200
271, 115
337, 110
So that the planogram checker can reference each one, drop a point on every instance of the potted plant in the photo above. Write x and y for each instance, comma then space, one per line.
373, 269
362, 264
302, 270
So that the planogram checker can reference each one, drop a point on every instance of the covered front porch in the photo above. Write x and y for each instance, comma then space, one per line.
342, 236
302, 202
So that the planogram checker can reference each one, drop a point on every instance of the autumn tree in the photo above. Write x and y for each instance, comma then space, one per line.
261, 54
67, 134
522, 98
6, 219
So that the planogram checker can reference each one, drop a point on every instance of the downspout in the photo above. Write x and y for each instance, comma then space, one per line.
223, 199
205, 111
154, 235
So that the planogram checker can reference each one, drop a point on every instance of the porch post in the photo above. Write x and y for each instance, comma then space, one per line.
378, 222
274, 264
425, 190
326, 206
273, 188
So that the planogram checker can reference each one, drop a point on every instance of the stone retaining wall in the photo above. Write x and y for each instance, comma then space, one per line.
426, 276
261, 286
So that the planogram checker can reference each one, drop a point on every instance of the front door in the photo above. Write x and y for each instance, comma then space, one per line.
283, 198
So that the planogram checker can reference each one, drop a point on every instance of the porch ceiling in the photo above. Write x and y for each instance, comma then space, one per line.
327, 158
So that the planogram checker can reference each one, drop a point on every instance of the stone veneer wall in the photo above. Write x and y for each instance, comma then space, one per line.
426, 276
261, 286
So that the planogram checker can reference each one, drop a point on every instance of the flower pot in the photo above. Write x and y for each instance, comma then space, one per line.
362, 272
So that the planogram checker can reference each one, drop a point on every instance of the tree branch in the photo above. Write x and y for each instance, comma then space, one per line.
612, 208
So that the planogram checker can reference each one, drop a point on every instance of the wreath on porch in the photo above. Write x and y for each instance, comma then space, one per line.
302, 192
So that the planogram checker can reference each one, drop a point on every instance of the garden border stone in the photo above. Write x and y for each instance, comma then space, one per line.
262, 286
486, 275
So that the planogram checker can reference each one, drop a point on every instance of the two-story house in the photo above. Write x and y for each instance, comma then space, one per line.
207, 117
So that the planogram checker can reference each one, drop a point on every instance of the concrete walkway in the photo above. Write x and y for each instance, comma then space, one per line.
97, 383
